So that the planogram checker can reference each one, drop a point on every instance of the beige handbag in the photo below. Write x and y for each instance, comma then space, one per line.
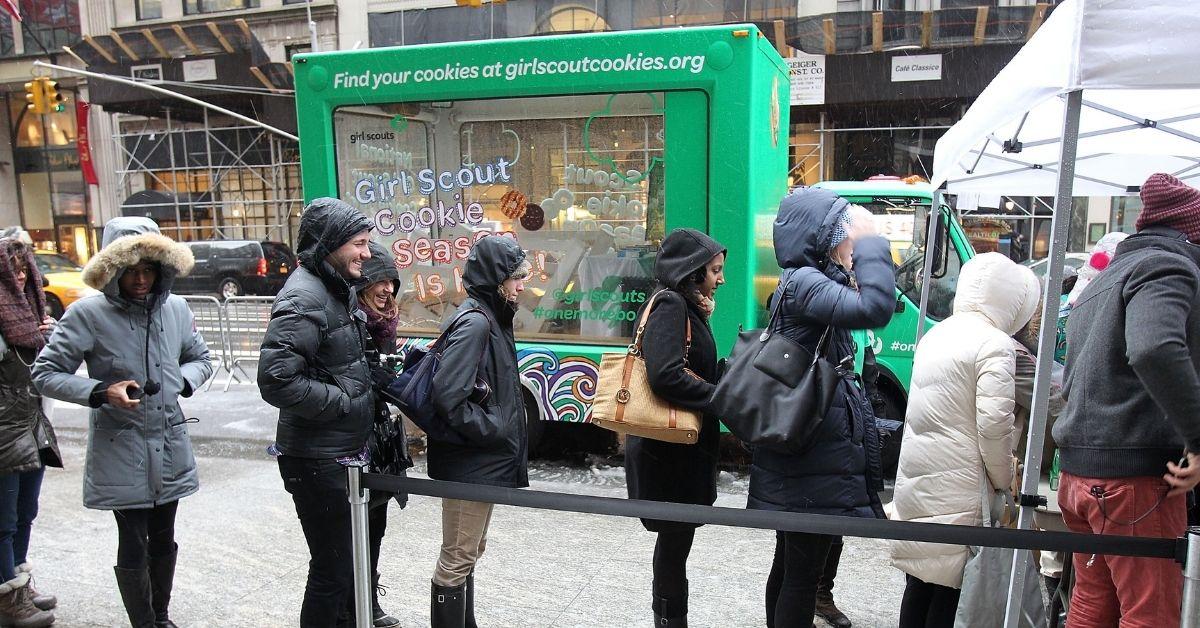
625, 404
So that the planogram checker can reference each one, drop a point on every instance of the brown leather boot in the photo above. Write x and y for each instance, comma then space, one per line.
16, 609
826, 609
44, 601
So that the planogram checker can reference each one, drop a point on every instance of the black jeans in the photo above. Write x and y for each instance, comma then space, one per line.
318, 488
145, 532
795, 572
927, 605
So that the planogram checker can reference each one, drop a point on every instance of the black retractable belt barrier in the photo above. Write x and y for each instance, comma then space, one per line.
1106, 544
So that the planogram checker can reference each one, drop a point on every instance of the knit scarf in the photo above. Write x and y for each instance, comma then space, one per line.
382, 328
21, 311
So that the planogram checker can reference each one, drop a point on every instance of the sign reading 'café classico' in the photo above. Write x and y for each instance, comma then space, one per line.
916, 68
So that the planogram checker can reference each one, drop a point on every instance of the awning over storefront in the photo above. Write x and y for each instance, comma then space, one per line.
161, 206
222, 63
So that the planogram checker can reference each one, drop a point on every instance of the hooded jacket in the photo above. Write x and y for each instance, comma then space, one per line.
959, 428
1133, 355
142, 457
483, 346
840, 471
313, 364
674, 472
24, 428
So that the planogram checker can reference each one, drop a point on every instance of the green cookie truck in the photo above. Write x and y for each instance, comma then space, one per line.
587, 149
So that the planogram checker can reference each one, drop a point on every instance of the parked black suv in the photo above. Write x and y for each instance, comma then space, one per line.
233, 268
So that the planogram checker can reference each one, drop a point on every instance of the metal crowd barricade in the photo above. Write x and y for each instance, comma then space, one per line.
1185, 550
209, 316
246, 321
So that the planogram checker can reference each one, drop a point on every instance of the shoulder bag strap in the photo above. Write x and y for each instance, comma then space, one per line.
770, 328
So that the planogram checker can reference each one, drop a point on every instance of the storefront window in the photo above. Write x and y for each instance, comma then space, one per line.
1125, 212
191, 7
576, 180
149, 9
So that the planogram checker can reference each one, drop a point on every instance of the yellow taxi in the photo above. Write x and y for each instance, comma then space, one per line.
65, 282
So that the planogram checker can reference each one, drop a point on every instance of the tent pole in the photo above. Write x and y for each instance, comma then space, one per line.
935, 210
1059, 221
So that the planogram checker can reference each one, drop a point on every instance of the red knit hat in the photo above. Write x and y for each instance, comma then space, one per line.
1169, 202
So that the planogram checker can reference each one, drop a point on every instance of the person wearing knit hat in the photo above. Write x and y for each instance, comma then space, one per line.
313, 367
1102, 255
1129, 437
1169, 202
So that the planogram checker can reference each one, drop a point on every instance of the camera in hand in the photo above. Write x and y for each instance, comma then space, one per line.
137, 392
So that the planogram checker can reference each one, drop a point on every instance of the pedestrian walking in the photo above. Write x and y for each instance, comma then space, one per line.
142, 352
959, 429
27, 442
837, 276
1129, 436
377, 300
689, 269
313, 367
478, 394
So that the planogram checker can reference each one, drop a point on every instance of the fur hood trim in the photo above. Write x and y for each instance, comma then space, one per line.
129, 250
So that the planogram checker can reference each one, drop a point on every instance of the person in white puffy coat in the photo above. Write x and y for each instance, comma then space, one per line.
959, 428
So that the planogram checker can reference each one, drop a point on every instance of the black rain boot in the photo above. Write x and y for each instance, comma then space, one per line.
671, 612
447, 606
826, 609
380, 619
470, 593
162, 580
134, 585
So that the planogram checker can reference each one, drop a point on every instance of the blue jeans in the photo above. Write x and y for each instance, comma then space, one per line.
18, 508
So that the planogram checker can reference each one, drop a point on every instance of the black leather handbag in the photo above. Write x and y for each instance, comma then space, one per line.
774, 391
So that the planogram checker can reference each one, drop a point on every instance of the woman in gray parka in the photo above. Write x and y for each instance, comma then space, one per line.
142, 352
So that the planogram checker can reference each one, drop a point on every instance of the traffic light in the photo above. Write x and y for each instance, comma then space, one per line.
35, 97
52, 100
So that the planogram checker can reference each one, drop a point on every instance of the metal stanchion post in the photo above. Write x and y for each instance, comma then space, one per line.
1191, 581
359, 498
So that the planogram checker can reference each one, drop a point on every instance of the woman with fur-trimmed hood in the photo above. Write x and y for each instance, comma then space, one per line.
142, 352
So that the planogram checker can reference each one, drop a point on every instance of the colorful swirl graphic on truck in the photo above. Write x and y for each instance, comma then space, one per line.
564, 387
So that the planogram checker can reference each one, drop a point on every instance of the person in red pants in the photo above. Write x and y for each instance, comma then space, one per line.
1129, 437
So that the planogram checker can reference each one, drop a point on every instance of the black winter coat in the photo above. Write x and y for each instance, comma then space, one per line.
484, 346
840, 472
313, 365
677, 472
27, 440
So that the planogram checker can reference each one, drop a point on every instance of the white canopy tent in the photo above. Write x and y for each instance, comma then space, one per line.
1135, 62
1106, 93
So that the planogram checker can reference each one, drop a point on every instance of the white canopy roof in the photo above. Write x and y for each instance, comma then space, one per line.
1138, 62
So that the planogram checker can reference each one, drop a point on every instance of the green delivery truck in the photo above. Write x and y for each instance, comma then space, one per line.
587, 149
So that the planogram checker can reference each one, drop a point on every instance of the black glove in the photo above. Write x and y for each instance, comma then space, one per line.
382, 377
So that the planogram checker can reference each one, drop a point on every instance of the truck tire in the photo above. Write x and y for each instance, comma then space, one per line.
229, 287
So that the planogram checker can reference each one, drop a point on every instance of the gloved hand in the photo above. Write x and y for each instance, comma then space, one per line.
382, 377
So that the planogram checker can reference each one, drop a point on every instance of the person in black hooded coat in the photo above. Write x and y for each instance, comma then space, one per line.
313, 367
819, 239
689, 269
478, 344
376, 297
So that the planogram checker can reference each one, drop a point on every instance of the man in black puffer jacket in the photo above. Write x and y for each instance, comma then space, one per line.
313, 368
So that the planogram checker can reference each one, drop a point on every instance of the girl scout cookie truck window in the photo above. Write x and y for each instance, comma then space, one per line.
577, 180
587, 149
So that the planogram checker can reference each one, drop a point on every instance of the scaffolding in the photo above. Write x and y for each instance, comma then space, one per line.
213, 179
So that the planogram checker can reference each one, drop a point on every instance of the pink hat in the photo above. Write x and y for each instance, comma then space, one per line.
1169, 202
